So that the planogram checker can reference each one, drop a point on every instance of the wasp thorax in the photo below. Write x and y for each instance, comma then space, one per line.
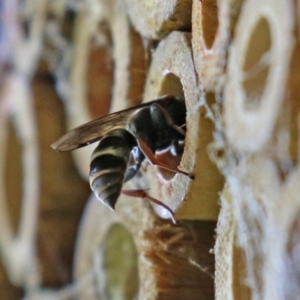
108, 165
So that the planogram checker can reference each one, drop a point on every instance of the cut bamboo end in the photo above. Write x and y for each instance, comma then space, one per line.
156, 19
161, 261
172, 72
17, 239
107, 52
213, 23
92, 264
247, 214
62, 192
19, 216
129, 55
257, 72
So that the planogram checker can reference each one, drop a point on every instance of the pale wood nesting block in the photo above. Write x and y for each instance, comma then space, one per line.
38, 186
230, 261
213, 25
249, 203
108, 66
95, 226
17, 238
62, 192
172, 72
163, 263
257, 72
18, 242
156, 19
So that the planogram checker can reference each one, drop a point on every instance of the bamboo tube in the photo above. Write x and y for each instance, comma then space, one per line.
17, 246
224, 248
62, 191
156, 241
95, 226
213, 25
97, 66
243, 244
257, 72
230, 262
172, 72
161, 261
156, 19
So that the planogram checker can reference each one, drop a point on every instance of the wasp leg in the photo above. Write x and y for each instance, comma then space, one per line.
153, 160
142, 194
169, 119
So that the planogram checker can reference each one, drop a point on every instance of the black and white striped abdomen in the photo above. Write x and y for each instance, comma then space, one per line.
108, 165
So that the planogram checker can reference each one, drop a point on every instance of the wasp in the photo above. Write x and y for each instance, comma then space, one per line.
126, 138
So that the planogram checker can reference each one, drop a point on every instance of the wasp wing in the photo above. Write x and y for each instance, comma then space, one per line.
92, 131
95, 130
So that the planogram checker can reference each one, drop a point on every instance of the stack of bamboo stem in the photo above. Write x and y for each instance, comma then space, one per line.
236, 64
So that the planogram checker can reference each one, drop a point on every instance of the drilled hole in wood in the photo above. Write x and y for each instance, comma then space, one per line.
99, 74
256, 64
210, 21
171, 85
13, 177
120, 264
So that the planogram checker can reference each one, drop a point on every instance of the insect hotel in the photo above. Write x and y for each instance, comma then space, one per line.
173, 172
